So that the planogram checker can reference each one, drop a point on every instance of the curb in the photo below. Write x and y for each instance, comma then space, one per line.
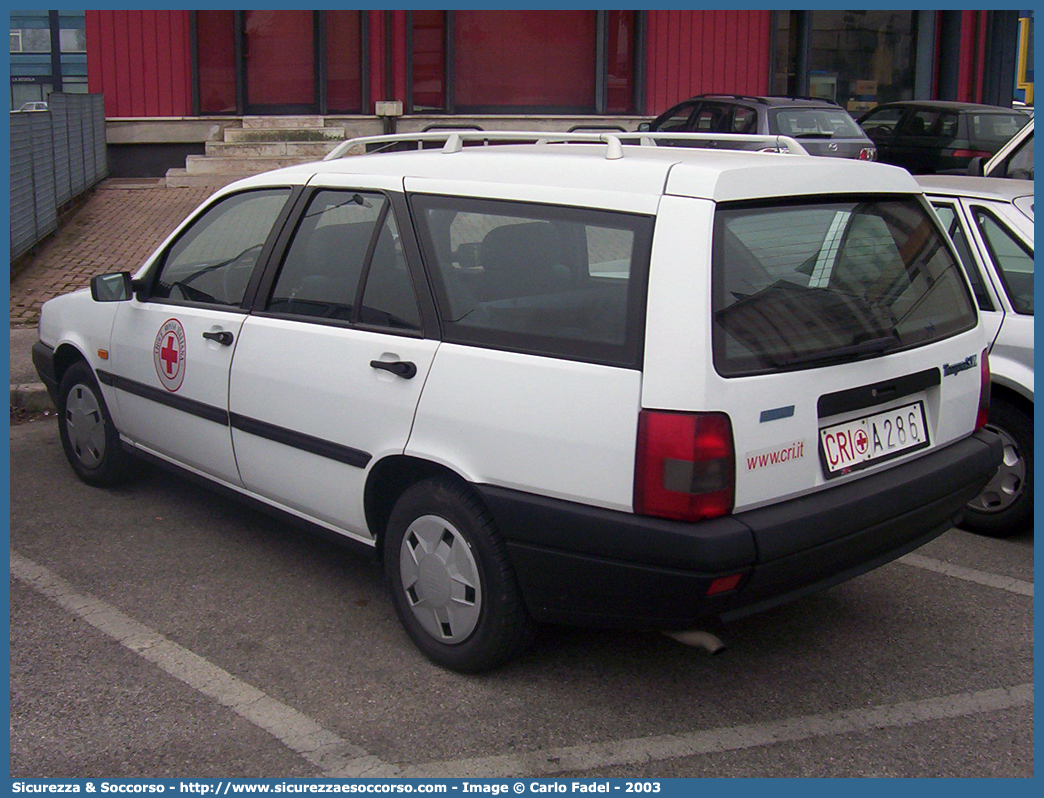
31, 396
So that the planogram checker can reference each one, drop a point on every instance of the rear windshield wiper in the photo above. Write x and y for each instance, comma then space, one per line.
868, 348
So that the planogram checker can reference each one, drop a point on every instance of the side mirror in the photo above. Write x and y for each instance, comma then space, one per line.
644, 127
976, 166
115, 287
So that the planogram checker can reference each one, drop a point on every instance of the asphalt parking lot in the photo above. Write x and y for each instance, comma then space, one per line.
163, 630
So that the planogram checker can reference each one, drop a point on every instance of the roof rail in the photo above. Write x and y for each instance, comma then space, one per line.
453, 140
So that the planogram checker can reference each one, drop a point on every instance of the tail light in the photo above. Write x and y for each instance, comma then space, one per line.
972, 154
685, 467
868, 154
984, 392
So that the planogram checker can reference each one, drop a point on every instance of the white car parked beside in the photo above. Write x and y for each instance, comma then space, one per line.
570, 380
991, 223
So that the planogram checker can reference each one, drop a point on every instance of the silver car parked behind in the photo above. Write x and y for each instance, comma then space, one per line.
991, 223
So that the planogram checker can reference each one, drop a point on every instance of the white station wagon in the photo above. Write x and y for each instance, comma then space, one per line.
580, 380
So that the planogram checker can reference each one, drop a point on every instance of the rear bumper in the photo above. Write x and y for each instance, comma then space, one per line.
583, 565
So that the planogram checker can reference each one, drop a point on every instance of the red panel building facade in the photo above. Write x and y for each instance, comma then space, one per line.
155, 63
198, 63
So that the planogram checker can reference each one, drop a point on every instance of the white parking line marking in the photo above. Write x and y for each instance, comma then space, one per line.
672, 746
969, 574
333, 756
336, 758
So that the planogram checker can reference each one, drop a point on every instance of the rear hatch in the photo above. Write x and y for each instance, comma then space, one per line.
825, 131
845, 337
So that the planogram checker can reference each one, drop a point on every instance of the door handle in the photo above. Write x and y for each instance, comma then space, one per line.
223, 337
400, 368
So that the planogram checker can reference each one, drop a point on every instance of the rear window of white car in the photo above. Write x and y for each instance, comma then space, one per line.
807, 284
534, 278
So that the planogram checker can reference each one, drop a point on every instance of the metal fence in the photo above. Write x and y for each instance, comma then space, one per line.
56, 155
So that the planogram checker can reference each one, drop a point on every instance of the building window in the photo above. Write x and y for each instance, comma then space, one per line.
73, 40
526, 61
620, 62
343, 61
74, 85
858, 59
429, 61
215, 36
31, 40
523, 61
279, 55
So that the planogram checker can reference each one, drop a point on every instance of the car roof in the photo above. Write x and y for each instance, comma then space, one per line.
773, 101
991, 188
583, 174
948, 105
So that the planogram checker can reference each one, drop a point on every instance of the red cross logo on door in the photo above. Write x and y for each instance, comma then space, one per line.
168, 354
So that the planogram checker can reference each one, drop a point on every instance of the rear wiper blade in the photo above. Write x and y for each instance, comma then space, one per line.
873, 346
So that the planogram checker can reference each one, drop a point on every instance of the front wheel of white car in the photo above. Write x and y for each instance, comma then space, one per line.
1005, 506
89, 438
453, 587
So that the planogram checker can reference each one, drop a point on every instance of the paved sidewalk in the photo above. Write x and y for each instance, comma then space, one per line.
118, 226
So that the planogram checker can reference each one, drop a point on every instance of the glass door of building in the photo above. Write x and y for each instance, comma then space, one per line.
279, 58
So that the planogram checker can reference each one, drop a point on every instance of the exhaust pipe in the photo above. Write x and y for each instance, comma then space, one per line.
698, 639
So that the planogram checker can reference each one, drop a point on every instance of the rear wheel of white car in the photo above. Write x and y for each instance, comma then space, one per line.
452, 584
88, 435
1005, 506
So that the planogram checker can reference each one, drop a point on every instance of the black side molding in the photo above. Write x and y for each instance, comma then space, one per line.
287, 437
299, 440
160, 396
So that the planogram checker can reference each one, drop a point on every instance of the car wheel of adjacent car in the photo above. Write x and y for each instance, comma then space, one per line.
452, 584
88, 435
1005, 506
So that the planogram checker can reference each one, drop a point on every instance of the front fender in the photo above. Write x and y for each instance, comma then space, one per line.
76, 327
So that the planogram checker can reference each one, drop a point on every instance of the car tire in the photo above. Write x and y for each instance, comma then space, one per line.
1005, 506
89, 438
452, 584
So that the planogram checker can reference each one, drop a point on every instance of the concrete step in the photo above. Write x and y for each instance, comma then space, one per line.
203, 164
180, 178
264, 122
285, 134
303, 149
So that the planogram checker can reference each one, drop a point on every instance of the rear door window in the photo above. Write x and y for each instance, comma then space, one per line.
951, 219
345, 264
710, 118
882, 122
801, 285
539, 279
1014, 263
744, 120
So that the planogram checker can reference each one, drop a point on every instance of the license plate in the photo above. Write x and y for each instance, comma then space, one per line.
864, 441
